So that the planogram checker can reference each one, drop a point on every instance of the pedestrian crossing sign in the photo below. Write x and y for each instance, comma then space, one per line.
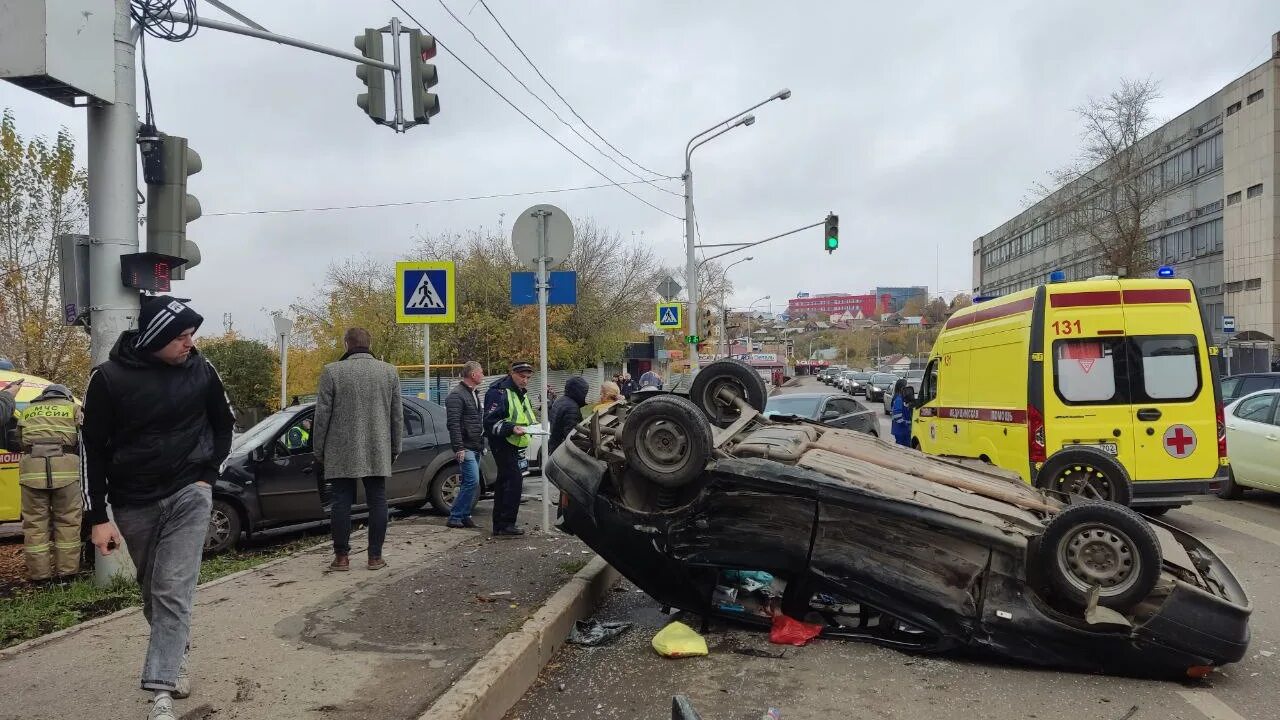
425, 292
670, 316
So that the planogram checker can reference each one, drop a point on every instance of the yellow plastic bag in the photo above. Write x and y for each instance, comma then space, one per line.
678, 640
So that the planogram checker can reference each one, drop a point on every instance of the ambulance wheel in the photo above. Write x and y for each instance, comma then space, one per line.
734, 376
1087, 473
667, 441
1096, 544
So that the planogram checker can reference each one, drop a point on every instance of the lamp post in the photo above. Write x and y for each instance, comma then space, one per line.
751, 344
741, 118
284, 326
724, 331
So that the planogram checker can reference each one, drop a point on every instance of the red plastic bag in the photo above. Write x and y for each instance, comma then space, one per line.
789, 631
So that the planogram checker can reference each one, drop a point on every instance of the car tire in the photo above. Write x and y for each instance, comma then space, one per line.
735, 375
1231, 490
1099, 544
1068, 474
667, 441
225, 526
444, 488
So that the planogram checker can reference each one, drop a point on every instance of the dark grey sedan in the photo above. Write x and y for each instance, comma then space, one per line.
832, 409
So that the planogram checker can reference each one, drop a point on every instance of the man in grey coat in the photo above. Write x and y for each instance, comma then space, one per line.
358, 424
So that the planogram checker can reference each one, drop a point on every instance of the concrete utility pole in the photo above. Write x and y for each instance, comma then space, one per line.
113, 209
690, 220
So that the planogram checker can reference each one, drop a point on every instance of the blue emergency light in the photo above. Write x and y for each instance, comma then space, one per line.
1058, 276
1165, 271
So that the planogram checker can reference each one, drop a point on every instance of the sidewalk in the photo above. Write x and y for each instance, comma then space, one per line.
289, 640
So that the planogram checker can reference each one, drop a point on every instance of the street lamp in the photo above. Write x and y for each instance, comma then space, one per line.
724, 331
283, 327
741, 118
751, 343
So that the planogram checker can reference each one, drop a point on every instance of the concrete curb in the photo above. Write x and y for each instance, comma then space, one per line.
90, 624
499, 679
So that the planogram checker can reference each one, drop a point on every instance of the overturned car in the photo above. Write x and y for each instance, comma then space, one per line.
712, 508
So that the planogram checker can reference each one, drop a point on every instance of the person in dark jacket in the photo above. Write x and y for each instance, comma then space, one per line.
566, 411
508, 412
466, 437
626, 385
157, 426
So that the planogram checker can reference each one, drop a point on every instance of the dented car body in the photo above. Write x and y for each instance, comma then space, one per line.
885, 544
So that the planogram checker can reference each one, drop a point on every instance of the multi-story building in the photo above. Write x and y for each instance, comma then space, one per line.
898, 296
1217, 221
836, 303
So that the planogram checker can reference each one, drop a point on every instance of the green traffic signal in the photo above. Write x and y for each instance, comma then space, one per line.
832, 243
832, 232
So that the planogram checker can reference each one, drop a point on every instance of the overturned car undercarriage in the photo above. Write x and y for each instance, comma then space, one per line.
712, 508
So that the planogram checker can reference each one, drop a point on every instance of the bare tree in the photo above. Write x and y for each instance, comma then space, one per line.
1105, 197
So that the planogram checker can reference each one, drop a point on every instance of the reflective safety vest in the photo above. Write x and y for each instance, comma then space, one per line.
298, 437
519, 412
50, 439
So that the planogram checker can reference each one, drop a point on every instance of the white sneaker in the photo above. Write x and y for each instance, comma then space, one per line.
182, 688
162, 709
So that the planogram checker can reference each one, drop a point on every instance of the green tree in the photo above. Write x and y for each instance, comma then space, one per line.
43, 194
249, 370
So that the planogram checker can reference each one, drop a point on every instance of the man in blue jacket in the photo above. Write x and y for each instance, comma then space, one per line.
507, 413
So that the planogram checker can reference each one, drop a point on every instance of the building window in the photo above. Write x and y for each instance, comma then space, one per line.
1233, 198
1235, 287
1255, 191
1255, 97
1254, 284
1233, 108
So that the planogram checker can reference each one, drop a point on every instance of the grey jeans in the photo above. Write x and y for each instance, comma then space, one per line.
166, 539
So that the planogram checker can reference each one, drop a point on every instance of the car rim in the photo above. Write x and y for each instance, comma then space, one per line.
219, 529
449, 488
1099, 555
718, 408
1086, 481
664, 444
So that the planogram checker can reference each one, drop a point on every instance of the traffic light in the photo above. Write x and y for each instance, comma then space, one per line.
832, 233
374, 101
422, 76
166, 163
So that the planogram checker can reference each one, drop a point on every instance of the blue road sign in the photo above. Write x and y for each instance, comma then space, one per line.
669, 316
563, 288
425, 292
1228, 323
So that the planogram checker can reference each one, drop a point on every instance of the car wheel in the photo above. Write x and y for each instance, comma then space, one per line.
1085, 473
444, 489
1231, 490
224, 528
734, 376
667, 440
1103, 545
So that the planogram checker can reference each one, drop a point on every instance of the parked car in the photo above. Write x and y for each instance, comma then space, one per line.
828, 408
880, 543
270, 480
1253, 439
879, 384
854, 382
914, 382
1237, 386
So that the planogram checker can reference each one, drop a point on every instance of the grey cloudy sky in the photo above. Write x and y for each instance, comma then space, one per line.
921, 125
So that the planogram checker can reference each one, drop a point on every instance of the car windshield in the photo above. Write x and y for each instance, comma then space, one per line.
801, 405
862, 376
264, 429
884, 379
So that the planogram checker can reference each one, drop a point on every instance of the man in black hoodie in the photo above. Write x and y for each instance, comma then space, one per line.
157, 426
566, 411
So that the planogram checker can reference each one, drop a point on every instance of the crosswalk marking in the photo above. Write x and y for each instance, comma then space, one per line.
1209, 705
1247, 527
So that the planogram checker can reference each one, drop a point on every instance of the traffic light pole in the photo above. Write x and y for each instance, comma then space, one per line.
744, 246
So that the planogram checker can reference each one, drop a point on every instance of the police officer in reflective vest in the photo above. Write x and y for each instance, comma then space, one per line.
49, 473
508, 412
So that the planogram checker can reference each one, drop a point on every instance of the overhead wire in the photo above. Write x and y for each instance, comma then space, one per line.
567, 104
544, 103
409, 203
526, 116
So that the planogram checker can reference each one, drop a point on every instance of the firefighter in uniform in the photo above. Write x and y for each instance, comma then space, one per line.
49, 473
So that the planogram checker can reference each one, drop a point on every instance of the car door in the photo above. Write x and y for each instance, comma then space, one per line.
842, 412
408, 473
288, 485
1252, 441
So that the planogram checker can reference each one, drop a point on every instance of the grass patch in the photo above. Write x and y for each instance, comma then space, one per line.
34, 611
572, 566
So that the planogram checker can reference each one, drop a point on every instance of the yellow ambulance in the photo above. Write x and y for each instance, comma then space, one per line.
10, 494
1104, 387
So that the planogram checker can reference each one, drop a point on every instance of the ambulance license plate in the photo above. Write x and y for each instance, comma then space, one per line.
1109, 448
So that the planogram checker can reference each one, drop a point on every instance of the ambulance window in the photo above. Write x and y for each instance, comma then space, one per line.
1084, 371
1169, 366
929, 387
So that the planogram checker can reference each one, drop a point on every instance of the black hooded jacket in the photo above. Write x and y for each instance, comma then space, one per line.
151, 429
566, 411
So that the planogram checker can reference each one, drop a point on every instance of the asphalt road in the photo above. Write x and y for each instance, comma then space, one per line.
744, 675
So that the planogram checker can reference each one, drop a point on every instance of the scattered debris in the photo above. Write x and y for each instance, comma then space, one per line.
592, 633
789, 631
500, 593
678, 640
1132, 711
757, 653
1266, 653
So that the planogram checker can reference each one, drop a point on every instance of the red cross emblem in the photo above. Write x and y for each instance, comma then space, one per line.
1179, 441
